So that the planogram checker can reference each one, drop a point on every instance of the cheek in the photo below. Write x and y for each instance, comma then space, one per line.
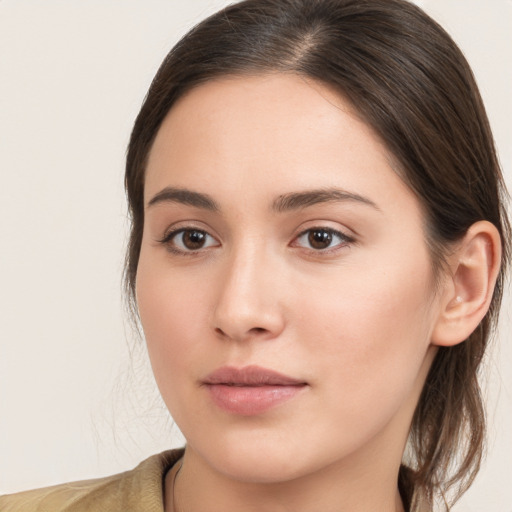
172, 314
367, 306
371, 330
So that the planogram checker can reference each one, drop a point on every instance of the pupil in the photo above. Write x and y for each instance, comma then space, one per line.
193, 239
320, 239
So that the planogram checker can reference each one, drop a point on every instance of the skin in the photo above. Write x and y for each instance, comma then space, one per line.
354, 321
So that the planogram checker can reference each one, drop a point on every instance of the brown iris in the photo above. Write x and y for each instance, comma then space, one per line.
320, 238
193, 239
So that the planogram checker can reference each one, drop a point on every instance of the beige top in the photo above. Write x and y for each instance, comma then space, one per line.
138, 490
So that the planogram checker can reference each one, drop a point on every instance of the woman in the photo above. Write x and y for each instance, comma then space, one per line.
317, 255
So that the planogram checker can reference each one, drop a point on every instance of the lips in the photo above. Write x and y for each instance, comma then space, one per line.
250, 376
250, 390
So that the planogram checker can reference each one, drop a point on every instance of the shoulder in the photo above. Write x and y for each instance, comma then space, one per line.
138, 489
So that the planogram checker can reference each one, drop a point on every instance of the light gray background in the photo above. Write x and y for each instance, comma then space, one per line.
72, 77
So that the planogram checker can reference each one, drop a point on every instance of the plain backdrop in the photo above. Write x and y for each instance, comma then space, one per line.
76, 397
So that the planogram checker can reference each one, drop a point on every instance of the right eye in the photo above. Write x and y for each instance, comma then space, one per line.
189, 240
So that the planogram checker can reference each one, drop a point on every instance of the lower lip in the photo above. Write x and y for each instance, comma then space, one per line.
251, 400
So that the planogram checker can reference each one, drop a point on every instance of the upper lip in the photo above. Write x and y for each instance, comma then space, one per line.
250, 376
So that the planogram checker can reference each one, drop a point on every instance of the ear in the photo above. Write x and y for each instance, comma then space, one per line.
469, 288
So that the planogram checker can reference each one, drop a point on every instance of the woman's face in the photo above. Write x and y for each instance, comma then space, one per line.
278, 238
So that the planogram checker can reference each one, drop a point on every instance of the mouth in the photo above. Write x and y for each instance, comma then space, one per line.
250, 390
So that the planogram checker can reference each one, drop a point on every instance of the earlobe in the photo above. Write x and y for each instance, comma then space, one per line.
468, 291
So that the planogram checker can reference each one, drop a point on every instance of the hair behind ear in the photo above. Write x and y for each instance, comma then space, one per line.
448, 428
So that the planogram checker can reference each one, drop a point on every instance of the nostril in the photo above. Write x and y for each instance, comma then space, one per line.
257, 330
220, 332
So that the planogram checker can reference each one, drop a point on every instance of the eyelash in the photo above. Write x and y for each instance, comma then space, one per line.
344, 240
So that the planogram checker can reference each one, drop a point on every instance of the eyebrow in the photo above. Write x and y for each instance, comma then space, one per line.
299, 200
184, 196
284, 203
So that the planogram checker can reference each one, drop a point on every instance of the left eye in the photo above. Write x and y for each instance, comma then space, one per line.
320, 239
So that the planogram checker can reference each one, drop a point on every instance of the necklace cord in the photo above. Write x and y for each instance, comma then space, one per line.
174, 504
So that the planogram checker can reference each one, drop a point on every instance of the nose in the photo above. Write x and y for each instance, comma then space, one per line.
249, 302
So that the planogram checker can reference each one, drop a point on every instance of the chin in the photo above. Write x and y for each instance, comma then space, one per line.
264, 459
261, 468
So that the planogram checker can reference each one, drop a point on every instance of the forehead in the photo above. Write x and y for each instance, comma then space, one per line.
265, 103
277, 131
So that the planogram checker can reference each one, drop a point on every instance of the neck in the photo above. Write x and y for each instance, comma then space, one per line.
336, 488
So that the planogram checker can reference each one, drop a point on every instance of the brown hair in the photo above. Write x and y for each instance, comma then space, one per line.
408, 80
